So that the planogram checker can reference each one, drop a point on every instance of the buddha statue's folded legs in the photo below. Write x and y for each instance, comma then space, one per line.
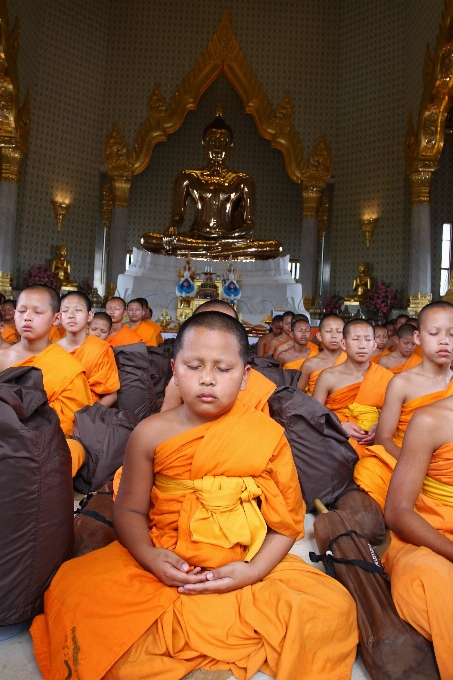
239, 249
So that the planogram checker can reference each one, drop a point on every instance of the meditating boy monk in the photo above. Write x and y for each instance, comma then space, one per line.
419, 511
402, 358
95, 355
391, 332
3, 343
38, 309
298, 352
258, 389
355, 389
136, 323
100, 325
420, 386
381, 337
120, 334
275, 332
399, 321
285, 335
290, 343
147, 314
9, 330
330, 335
188, 585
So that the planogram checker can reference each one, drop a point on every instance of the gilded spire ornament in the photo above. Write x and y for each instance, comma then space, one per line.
368, 225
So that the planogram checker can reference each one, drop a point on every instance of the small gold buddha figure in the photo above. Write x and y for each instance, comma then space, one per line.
361, 286
224, 208
61, 269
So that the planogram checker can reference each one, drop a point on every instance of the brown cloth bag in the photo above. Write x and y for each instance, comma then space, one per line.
160, 369
365, 511
136, 393
272, 370
93, 523
36, 496
323, 456
390, 647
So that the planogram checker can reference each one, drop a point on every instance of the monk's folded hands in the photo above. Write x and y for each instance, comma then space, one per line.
171, 569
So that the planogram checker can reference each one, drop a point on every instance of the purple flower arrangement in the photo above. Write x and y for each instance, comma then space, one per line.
40, 274
333, 304
85, 286
381, 298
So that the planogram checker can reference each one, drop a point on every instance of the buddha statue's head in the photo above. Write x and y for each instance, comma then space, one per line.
217, 139
62, 251
363, 267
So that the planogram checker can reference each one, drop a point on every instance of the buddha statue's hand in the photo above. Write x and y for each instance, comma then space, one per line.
169, 237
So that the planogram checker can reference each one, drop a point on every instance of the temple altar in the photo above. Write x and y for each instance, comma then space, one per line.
265, 285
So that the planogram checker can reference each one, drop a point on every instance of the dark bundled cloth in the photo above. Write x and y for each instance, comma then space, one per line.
136, 393
36, 496
272, 370
390, 647
103, 433
93, 523
160, 369
323, 456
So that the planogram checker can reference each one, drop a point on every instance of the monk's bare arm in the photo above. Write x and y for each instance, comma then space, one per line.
282, 349
262, 342
109, 399
390, 415
172, 397
322, 387
285, 357
426, 432
305, 374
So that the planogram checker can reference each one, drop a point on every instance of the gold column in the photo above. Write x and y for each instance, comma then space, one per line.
311, 200
11, 162
421, 181
121, 187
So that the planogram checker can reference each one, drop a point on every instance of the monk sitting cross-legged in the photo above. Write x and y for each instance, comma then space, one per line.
355, 389
402, 358
392, 329
289, 344
8, 332
284, 337
419, 512
275, 332
38, 309
136, 323
147, 314
120, 334
95, 355
188, 584
330, 335
420, 386
381, 337
298, 352
100, 325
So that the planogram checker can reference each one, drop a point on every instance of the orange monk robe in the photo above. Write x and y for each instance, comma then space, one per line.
125, 336
9, 334
370, 394
384, 353
374, 470
67, 391
106, 617
56, 334
413, 360
297, 364
257, 392
313, 377
147, 334
418, 351
98, 361
311, 346
422, 580
157, 330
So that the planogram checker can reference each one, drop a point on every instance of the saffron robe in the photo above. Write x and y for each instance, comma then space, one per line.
98, 361
413, 360
313, 377
375, 359
157, 330
310, 345
297, 363
374, 470
106, 617
364, 399
67, 391
422, 580
56, 334
9, 333
147, 334
125, 336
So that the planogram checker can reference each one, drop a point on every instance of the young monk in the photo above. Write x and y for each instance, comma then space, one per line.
403, 357
38, 309
100, 325
381, 337
186, 585
355, 389
147, 317
9, 333
136, 323
330, 335
258, 389
298, 352
284, 337
391, 332
120, 333
276, 330
419, 512
290, 343
95, 355
400, 320
420, 386
3, 343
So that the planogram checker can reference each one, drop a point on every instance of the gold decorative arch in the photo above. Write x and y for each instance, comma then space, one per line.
222, 55
424, 144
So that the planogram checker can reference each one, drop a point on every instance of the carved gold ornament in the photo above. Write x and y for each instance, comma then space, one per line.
423, 144
14, 120
368, 225
60, 208
222, 55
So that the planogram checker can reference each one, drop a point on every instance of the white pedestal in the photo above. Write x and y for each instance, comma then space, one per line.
265, 285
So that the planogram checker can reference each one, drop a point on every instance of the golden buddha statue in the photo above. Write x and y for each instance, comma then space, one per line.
361, 286
61, 269
224, 208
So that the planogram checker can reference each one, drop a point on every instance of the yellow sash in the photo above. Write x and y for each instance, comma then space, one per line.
366, 415
438, 491
228, 514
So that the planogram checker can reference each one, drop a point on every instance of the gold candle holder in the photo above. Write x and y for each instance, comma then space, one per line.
368, 224
60, 208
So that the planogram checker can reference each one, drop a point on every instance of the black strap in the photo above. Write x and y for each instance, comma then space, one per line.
343, 493
86, 499
374, 567
95, 515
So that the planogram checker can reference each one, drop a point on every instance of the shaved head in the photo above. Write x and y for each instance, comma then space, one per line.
215, 321
117, 299
439, 306
77, 294
350, 326
52, 295
406, 330
217, 306
330, 317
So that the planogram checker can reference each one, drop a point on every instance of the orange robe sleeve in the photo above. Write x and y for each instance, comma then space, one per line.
56, 334
257, 392
297, 364
422, 580
375, 359
120, 618
9, 334
98, 361
157, 330
313, 377
147, 334
125, 336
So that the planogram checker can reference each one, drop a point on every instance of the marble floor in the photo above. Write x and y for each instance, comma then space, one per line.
17, 661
